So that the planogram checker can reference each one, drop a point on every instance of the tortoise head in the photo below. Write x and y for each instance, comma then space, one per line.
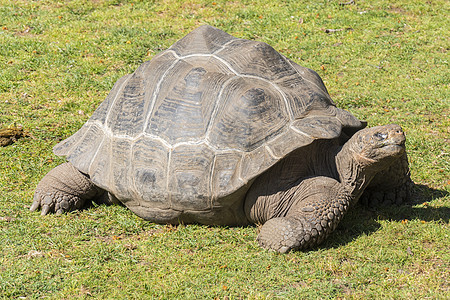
378, 145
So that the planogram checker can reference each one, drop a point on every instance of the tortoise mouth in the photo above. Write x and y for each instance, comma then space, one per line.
392, 147
399, 142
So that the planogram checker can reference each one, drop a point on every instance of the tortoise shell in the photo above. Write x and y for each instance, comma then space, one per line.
200, 121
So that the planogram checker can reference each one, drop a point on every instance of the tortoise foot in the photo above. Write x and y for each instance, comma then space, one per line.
281, 235
63, 189
378, 197
53, 201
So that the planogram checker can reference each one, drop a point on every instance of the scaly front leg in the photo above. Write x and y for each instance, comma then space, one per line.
317, 206
390, 186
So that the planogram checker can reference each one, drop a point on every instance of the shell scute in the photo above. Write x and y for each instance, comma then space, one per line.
255, 162
85, 150
100, 168
288, 142
184, 106
256, 59
189, 177
120, 171
250, 113
149, 171
126, 116
64, 148
226, 175
319, 127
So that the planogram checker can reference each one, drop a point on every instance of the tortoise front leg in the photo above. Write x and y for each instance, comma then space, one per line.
318, 205
389, 186
64, 189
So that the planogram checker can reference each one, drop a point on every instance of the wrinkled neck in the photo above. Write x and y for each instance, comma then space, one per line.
355, 171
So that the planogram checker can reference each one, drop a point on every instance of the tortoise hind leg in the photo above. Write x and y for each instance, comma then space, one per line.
319, 204
390, 186
64, 189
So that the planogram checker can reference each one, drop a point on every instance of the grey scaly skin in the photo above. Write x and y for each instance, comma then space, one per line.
304, 213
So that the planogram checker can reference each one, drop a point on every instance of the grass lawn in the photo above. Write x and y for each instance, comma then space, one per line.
384, 61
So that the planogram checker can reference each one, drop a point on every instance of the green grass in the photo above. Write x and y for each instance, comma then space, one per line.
60, 59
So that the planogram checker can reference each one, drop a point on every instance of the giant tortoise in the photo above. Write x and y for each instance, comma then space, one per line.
226, 131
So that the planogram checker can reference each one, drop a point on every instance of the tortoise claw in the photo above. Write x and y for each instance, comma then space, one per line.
45, 209
35, 204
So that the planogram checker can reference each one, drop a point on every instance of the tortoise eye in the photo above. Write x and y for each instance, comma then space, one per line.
380, 136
